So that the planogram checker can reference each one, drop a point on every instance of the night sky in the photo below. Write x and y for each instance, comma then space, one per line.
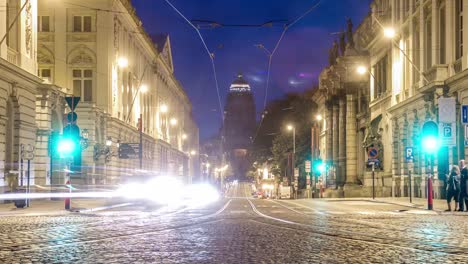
302, 53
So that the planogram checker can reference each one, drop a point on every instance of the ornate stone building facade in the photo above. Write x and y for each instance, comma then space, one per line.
402, 81
123, 78
18, 86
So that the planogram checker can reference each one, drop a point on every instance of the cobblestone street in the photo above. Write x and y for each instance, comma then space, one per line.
239, 230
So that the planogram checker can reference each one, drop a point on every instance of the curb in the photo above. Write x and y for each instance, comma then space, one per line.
84, 210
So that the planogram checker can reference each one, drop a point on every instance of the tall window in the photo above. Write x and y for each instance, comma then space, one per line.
43, 23
12, 36
416, 50
442, 35
459, 28
82, 23
428, 43
45, 74
380, 74
83, 84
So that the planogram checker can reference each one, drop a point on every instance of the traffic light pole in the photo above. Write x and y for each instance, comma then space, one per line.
429, 183
373, 181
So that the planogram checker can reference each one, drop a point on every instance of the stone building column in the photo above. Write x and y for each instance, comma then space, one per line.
342, 142
335, 129
395, 156
329, 133
335, 142
351, 144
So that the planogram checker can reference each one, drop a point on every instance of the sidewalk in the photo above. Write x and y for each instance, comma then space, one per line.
439, 205
56, 207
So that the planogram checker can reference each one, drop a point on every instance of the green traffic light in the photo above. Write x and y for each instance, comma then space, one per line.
429, 140
321, 167
429, 144
66, 147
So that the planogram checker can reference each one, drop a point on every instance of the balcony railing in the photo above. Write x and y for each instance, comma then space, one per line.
12, 56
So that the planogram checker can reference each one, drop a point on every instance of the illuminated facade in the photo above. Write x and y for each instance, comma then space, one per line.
385, 107
18, 86
121, 74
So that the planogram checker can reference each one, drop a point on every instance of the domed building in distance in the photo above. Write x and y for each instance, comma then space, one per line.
239, 126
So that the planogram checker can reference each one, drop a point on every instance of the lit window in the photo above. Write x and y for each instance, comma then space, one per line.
83, 84
81, 23
43, 23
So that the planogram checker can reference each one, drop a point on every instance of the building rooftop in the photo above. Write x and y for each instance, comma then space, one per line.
240, 85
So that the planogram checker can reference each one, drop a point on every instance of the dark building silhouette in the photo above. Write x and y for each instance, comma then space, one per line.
239, 126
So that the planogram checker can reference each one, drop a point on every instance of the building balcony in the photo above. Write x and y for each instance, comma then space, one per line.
435, 76
13, 56
438, 73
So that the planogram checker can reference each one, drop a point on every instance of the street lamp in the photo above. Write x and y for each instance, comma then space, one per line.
173, 121
389, 32
293, 129
318, 117
193, 152
163, 108
361, 70
184, 136
143, 88
122, 62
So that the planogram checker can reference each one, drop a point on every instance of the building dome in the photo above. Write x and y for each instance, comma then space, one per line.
240, 85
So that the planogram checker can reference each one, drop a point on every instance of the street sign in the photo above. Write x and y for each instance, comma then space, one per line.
72, 101
464, 115
372, 153
447, 132
71, 117
447, 112
129, 151
409, 154
307, 166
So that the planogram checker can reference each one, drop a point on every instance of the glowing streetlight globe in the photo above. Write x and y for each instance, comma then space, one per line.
122, 62
389, 32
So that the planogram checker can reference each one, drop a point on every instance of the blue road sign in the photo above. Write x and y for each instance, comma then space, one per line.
465, 114
409, 154
372, 153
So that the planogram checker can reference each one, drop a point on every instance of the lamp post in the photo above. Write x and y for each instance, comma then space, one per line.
293, 129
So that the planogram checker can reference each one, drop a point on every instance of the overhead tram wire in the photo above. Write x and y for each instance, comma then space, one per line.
286, 27
210, 54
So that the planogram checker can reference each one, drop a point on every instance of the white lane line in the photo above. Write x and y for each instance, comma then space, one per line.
302, 213
303, 206
271, 217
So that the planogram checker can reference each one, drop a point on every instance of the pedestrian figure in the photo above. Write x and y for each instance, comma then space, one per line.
453, 187
463, 199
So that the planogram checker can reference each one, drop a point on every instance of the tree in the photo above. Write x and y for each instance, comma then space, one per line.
274, 142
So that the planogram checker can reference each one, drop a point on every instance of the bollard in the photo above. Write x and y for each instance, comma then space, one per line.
429, 193
68, 199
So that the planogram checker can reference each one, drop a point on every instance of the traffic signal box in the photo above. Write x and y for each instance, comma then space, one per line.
319, 167
430, 137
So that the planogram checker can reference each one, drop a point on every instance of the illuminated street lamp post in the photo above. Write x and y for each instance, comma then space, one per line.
293, 129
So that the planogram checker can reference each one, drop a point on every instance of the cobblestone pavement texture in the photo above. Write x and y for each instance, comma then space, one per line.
239, 230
